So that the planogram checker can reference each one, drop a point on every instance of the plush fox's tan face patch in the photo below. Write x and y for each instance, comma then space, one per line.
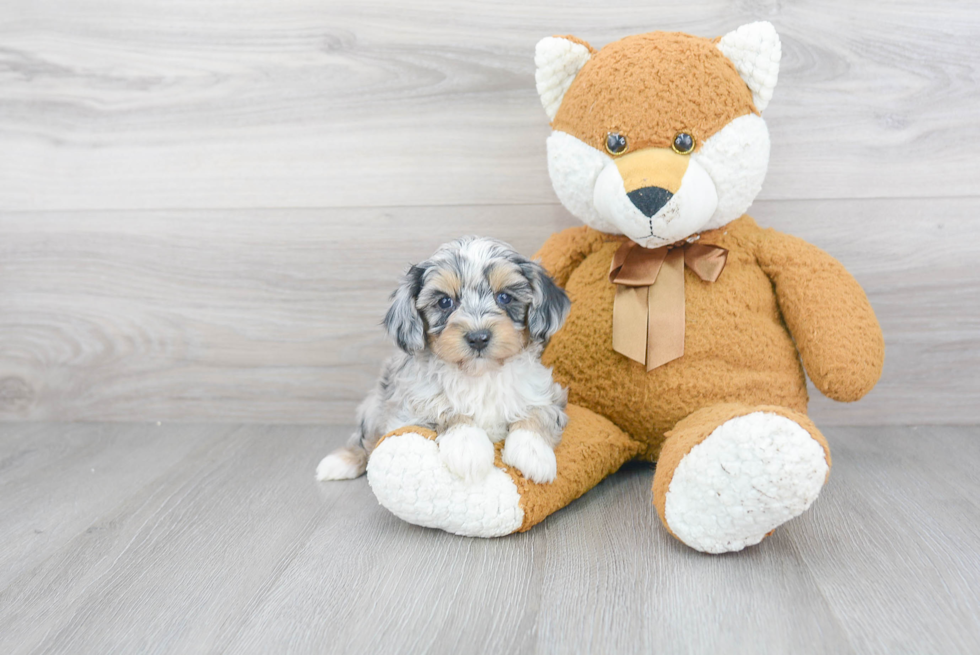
652, 167
649, 88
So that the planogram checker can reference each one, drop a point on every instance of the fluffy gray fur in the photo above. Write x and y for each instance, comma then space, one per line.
418, 387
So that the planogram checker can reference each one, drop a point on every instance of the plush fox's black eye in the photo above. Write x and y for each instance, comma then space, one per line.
683, 143
445, 302
616, 143
504, 298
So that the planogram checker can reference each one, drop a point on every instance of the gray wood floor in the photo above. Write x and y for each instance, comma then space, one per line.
203, 207
126, 538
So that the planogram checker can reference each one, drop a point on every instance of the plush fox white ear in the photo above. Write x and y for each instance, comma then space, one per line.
558, 61
755, 51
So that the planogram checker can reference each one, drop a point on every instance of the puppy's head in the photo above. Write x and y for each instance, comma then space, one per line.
475, 301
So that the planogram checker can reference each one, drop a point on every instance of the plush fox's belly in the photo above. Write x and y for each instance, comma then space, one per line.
736, 349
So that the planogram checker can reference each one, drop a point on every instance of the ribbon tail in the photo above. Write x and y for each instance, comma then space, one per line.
630, 321
706, 261
665, 319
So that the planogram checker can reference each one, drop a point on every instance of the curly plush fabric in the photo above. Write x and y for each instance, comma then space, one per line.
755, 51
697, 427
740, 359
408, 478
828, 314
591, 449
737, 346
726, 422
651, 86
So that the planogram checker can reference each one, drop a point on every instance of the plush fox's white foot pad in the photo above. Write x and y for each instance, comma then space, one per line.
752, 474
408, 477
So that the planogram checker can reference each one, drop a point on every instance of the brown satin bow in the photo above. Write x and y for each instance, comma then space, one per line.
648, 313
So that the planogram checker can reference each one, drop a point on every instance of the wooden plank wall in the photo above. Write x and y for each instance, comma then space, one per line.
204, 203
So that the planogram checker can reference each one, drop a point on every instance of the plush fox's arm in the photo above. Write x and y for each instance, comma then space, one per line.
564, 251
828, 315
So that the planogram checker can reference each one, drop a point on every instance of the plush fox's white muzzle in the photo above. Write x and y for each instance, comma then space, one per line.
697, 192
651, 205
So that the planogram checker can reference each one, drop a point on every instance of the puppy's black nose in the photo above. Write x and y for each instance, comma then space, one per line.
478, 339
650, 199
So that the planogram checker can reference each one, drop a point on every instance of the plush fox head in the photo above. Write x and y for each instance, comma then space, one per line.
659, 136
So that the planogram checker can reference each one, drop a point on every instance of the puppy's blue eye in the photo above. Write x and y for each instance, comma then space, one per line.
503, 298
445, 302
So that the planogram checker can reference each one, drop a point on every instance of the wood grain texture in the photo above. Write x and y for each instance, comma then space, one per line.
55, 480
273, 316
181, 316
203, 208
922, 483
306, 103
230, 546
204, 205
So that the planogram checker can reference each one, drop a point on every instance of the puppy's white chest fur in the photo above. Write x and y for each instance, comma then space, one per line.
493, 398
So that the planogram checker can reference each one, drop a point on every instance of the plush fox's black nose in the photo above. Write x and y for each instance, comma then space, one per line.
650, 199
478, 339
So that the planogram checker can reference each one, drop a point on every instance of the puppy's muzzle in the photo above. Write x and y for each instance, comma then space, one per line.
478, 340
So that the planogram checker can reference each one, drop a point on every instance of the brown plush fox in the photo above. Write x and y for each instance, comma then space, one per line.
690, 326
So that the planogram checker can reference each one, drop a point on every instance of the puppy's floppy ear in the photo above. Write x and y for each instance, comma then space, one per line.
403, 322
549, 304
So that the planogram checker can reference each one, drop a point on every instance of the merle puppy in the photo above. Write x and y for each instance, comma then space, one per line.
471, 323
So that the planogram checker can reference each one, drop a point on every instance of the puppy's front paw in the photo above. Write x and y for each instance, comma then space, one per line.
531, 455
466, 451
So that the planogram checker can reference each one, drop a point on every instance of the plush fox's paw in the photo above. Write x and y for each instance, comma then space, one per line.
408, 477
750, 475
531, 455
466, 450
